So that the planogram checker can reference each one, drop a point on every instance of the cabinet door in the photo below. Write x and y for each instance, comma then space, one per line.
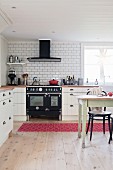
10, 107
19, 109
15, 98
64, 98
19, 98
1, 111
4, 109
64, 109
23, 97
9, 123
15, 109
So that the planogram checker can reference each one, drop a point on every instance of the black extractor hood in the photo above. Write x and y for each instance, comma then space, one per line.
44, 53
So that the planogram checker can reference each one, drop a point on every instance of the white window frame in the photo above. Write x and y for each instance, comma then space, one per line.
91, 44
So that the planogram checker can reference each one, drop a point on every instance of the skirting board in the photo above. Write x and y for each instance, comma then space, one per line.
19, 118
72, 117
67, 117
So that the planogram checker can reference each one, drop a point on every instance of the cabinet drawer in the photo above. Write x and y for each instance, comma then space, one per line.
71, 109
6, 94
10, 93
3, 95
19, 90
72, 99
75, 89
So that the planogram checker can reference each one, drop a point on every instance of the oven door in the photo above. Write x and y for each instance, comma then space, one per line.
36, 101
54, 101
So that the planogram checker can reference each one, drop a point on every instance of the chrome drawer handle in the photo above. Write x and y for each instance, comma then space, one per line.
4, 103
71, 105
4, 122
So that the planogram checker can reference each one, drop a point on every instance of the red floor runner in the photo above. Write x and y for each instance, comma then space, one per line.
56, 127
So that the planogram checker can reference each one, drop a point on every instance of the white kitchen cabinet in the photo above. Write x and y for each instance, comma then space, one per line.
19, 106
6, 114
70, 102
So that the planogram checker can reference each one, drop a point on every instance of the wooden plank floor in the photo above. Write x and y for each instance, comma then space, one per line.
55, 151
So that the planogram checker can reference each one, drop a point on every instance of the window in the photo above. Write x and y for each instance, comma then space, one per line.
98, 63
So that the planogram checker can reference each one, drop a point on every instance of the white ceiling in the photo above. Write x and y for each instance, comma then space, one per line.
59, 20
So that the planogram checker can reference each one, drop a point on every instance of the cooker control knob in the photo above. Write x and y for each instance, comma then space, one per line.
40, 89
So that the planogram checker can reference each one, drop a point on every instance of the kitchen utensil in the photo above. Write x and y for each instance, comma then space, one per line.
19, 81
53, 82
35, 81
80, 81
11, 59
16, 59
12, 77
25, 76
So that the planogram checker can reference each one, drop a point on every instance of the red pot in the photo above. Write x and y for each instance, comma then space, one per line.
53, 82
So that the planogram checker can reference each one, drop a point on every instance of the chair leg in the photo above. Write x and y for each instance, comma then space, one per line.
110, 129
104, 124
91, 128
88, 126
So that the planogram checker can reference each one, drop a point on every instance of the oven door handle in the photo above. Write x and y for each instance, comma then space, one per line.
54, 93
35, 93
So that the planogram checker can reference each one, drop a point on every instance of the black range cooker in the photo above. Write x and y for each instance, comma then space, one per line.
44, 101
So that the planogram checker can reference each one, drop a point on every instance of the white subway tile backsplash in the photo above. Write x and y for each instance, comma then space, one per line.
69, 52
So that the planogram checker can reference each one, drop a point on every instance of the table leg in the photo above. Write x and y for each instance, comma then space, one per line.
79, 121
84, 113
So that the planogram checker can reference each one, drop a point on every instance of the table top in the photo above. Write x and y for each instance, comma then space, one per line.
94, 97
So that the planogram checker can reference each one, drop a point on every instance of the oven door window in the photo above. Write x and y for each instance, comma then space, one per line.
36, 101
54, 100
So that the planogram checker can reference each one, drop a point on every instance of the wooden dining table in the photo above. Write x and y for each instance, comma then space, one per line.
86, 101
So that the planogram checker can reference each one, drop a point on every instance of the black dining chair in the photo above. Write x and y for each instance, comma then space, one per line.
100, 114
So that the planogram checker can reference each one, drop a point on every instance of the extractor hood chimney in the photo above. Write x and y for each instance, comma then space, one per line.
44, 53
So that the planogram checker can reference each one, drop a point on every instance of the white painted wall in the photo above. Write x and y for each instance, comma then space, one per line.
0, 61
3, 60
69, 52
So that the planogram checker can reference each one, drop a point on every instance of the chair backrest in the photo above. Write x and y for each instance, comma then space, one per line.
96, 91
